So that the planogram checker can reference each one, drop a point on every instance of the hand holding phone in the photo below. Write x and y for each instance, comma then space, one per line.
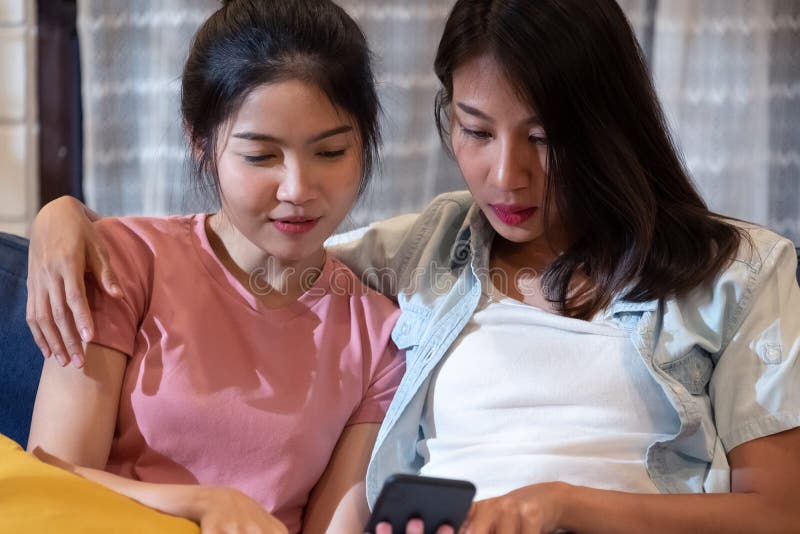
436, 501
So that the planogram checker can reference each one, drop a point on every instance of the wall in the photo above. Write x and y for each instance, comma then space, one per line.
18, 117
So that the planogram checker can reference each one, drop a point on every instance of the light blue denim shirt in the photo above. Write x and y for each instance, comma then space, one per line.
726, 354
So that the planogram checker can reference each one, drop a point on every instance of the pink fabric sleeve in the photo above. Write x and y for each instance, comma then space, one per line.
117, 320
388, 365
382, 389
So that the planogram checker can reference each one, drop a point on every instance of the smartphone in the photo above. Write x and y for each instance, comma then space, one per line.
437, 501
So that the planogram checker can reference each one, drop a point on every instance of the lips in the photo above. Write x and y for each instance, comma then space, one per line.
513, 215
295, 225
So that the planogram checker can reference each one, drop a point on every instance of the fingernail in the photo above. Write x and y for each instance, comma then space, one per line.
85, 334
62, 361
77, 360
115, 289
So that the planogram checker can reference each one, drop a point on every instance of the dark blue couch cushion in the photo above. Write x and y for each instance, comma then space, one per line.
20, 359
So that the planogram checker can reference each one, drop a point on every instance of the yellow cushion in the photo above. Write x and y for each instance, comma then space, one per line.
36, 497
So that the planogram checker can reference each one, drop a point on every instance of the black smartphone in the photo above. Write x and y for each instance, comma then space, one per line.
437, 501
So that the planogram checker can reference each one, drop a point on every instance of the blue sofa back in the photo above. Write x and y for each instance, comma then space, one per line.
20, 359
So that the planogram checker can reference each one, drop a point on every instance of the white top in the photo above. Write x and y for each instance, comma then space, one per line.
527, 396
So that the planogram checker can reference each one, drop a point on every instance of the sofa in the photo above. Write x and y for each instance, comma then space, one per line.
20, 359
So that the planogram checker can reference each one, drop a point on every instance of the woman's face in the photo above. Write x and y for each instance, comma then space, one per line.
289, 169
501, 149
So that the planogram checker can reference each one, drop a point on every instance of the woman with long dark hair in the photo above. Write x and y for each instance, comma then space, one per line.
586, 341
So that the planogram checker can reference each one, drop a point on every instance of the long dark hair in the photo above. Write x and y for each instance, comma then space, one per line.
249, 43
638, 227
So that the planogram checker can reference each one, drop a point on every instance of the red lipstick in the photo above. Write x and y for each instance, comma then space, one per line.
513, 215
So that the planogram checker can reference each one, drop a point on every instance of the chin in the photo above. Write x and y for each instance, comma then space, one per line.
516, 234
293, 254
520, 236
284, 253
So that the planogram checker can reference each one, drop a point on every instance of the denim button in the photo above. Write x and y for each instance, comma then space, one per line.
772, 354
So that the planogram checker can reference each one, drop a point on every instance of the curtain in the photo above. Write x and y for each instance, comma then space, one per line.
132, 52
728, 74
404, 35
727, 71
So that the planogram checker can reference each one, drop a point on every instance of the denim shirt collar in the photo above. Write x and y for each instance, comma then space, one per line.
619, 306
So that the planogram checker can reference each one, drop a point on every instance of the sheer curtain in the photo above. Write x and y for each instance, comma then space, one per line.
728, 72
404, 35
132, 52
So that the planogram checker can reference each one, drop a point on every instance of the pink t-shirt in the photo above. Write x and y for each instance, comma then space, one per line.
222, 391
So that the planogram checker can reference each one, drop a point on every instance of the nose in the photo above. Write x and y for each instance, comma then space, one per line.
297, 185
514, 165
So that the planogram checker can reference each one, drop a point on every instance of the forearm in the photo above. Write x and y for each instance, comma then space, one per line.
350, 515
602, 511
213, 508
338, 502
185, 501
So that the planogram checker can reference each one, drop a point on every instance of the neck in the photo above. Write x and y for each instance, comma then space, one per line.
537, 255
260, 272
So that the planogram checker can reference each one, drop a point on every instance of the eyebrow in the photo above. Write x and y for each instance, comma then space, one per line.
254, 136
533, 119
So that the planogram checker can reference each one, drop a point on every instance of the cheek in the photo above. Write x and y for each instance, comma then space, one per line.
342, 184
542, 152
244, 186
472, 162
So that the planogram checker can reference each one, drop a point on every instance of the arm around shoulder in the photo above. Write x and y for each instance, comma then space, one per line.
385, 254
63, 246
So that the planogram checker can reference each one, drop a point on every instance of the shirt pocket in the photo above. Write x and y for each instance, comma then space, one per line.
409, 329
692, 370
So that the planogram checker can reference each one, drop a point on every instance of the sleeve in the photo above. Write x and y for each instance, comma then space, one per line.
386, 254
385, 371
377, 252
117, 321
755, 388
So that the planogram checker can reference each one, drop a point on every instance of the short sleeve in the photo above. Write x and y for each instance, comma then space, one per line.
117, 320
755, 388
386, 254
387, 365
375, 252
382, 388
